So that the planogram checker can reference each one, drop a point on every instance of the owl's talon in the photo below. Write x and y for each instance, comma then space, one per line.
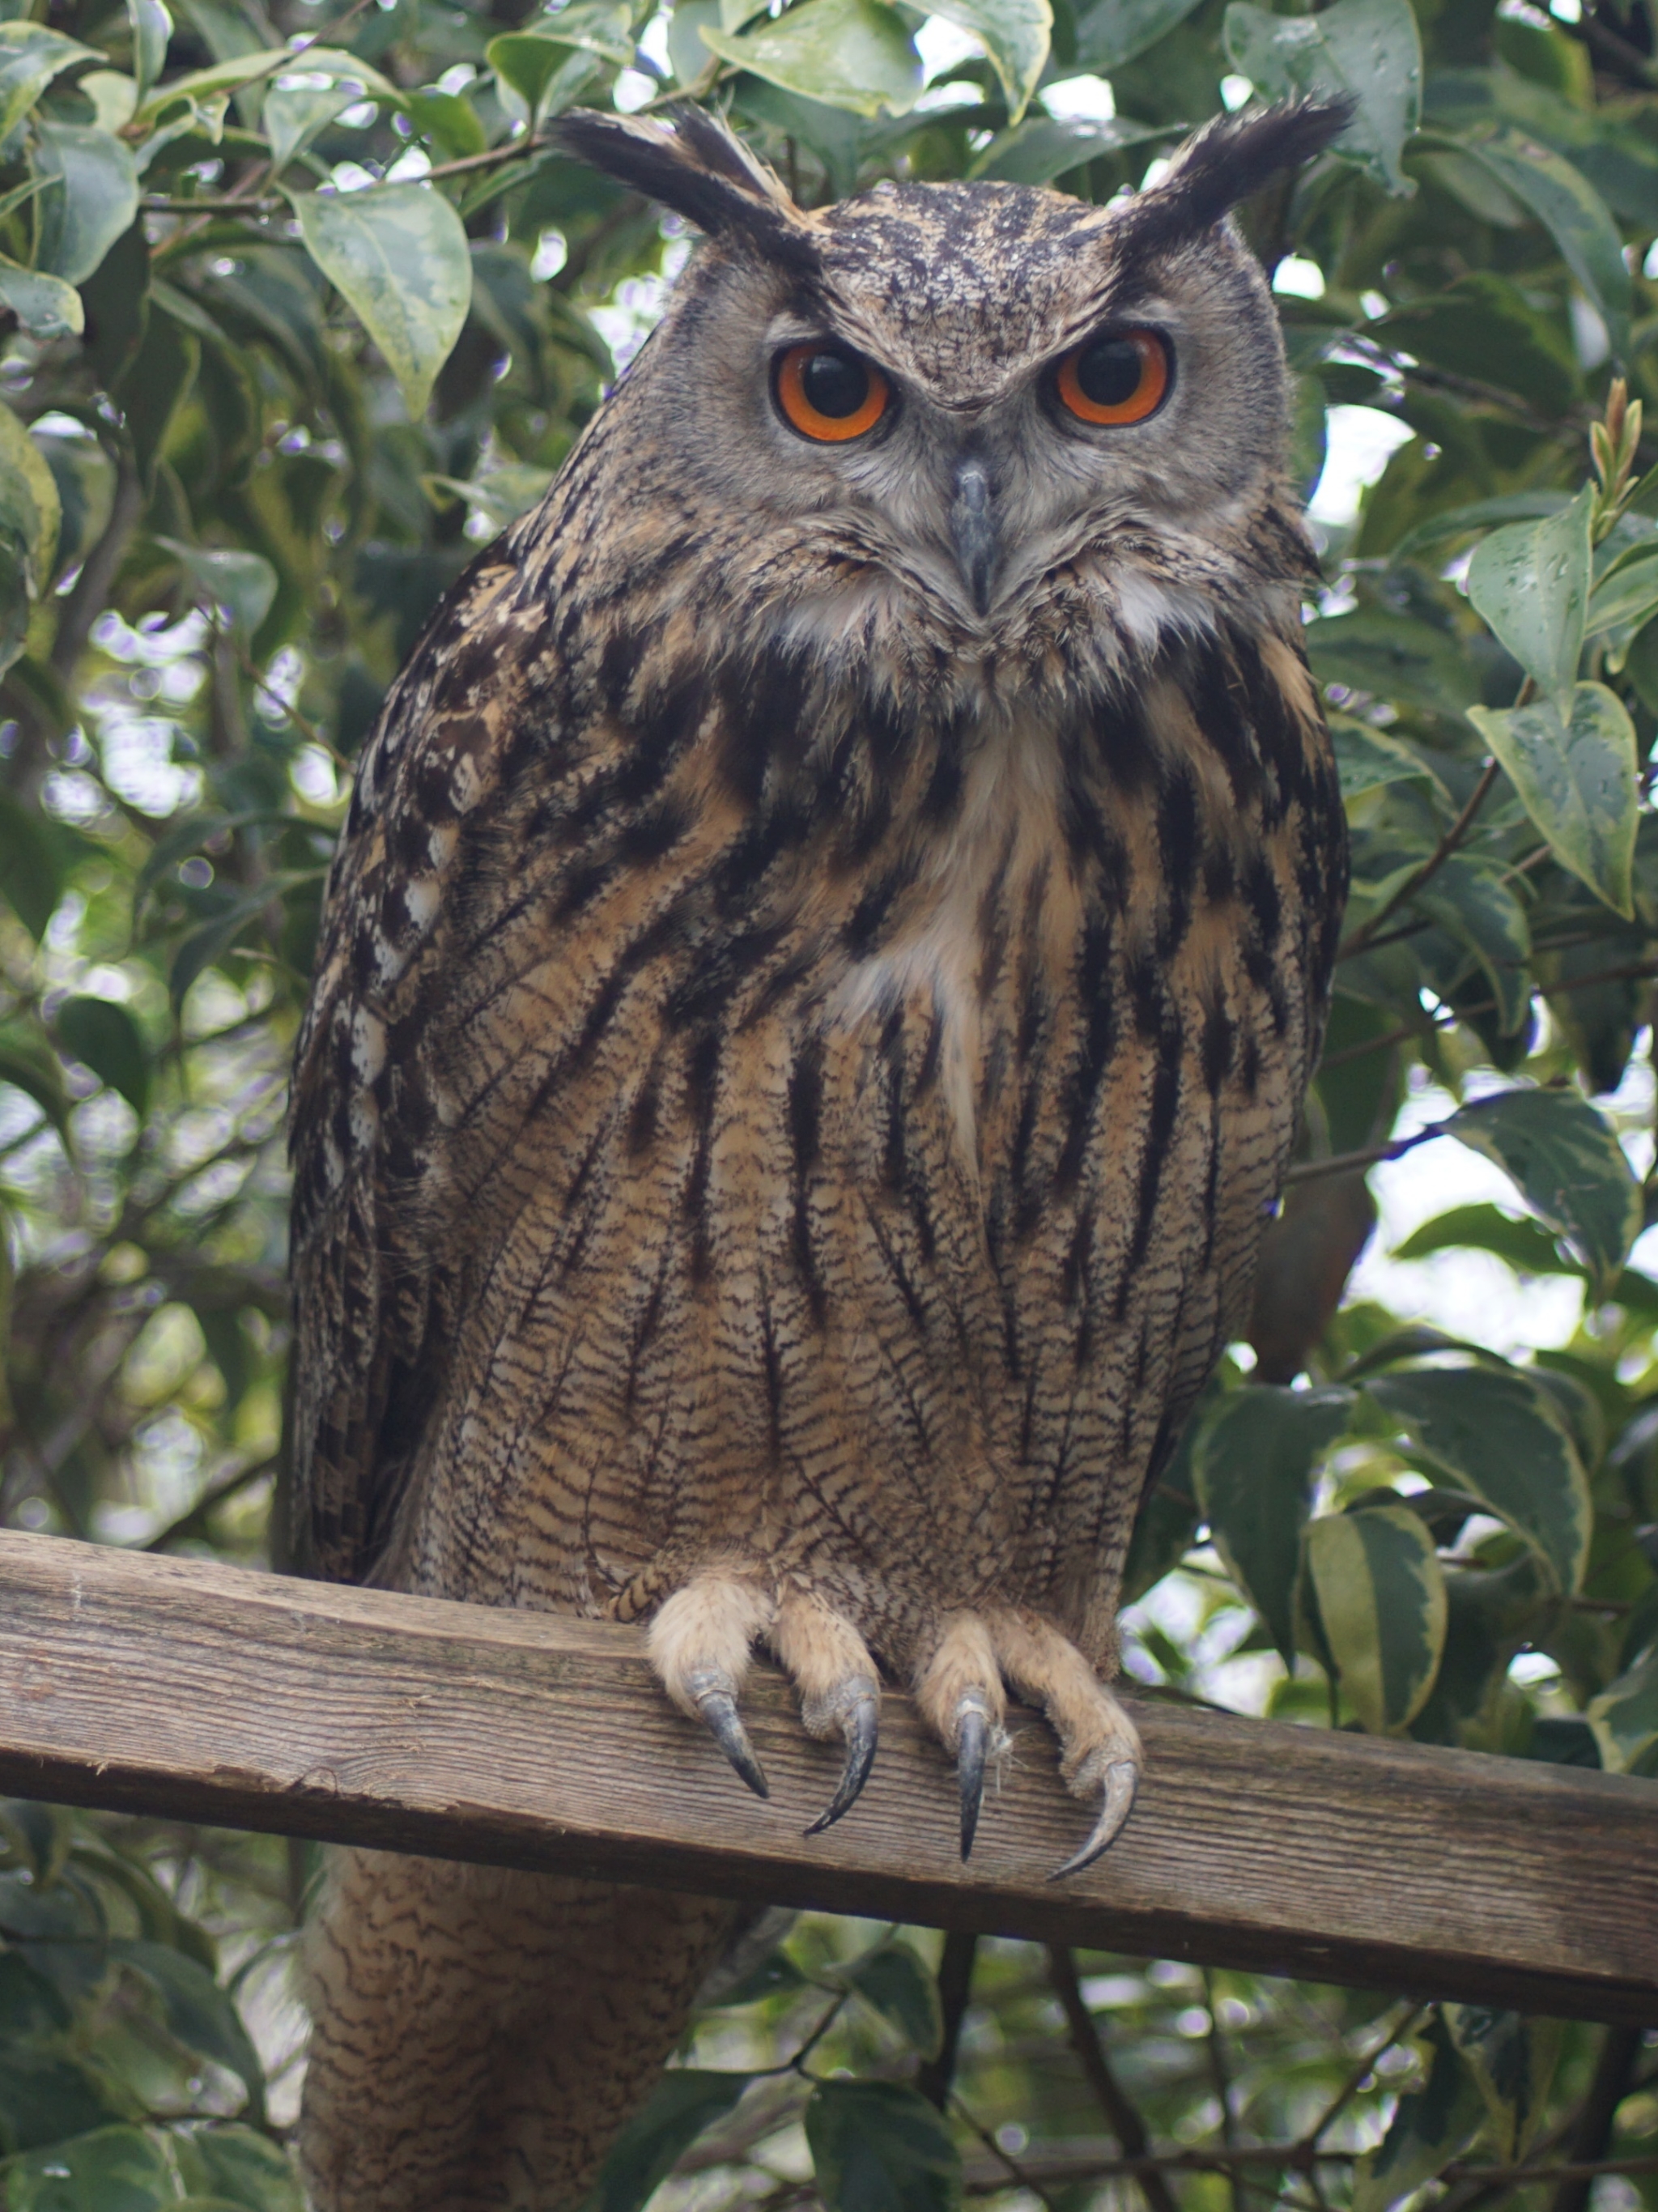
717, 1705
1122, 1779
859, 1718
972, 1752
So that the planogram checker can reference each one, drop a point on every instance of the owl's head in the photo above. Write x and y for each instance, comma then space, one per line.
965, 397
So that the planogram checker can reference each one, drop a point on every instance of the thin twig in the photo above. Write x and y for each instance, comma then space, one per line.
1436, 861
1361, 2073
1218, 2074
1593, 2132
1120, 2109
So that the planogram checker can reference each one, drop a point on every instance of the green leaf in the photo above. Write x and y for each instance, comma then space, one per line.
877, 2147
30, 56
1381, 1606
854, 54
1016, 34
893, 1981
39, 1080
1513, 2061
448, 120
528, 63
1253, 1461
1113, 31
1475, 907
1568, 207
1531, 583
295, 112
202, 2015
234, 2164
1367, 49
152, 29
684, 2102
95, 200
1569, 1166
244, 584
1431, 2126
1367, 758
46, 2097
1044, 147
1626, 595
1522, 1245
30, 515
1393, 656
114, 2170
1624, 1719
1578, 778
31, 868
44, 306
104, 1037
1491, 1436
398, 255
1479, 514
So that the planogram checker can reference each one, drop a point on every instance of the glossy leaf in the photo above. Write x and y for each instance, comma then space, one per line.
1624, 1719
877, 2147
1253, 1464
893, 1981
1569, 207
1531, 583
44, 306
30, 511
104, 1037
1491, 1436
1392, 657
244, 584
1044, 147
398, 254
111, 2170
31, 56
854, 54
1367, 49
1431, 2126
1113, 31
684, 2102
91, 202
1016, 34
1626, 595
1382, 1606
1569, 1166
1576, 773
1512, 2059
1476, 907
152, 29
1367, 758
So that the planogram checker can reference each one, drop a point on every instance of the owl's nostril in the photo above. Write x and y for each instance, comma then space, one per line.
973, 532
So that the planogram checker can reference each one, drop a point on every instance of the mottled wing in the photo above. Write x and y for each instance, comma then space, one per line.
374, 1266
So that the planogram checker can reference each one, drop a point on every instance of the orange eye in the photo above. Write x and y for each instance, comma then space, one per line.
1119, 376
828, 394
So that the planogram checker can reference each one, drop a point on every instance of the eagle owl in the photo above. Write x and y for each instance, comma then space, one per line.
815, 1000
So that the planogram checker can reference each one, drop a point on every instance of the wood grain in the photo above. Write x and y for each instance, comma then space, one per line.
175, 1688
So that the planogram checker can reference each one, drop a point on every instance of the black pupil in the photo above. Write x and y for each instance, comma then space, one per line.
834, 385
1108, 372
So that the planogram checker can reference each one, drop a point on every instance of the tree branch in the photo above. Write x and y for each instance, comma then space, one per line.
1113, 2100
955, 1989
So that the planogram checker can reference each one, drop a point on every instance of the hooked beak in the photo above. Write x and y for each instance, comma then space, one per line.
973, 532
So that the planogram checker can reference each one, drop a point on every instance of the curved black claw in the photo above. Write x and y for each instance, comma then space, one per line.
860, 1724
1122, 1779
718, 1706
972, 1752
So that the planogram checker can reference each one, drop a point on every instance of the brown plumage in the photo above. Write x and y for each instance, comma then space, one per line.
814, 1005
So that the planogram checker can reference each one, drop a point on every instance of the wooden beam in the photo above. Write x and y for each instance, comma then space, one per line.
197, 1692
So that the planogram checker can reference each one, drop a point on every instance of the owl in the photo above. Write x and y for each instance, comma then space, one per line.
813, 1009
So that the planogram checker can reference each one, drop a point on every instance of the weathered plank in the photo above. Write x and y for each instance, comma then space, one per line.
200, 1692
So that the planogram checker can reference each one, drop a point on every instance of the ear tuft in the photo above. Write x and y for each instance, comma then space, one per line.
701, 170
1233, 157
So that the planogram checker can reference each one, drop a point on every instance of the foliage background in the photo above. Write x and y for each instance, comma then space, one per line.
297, 307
